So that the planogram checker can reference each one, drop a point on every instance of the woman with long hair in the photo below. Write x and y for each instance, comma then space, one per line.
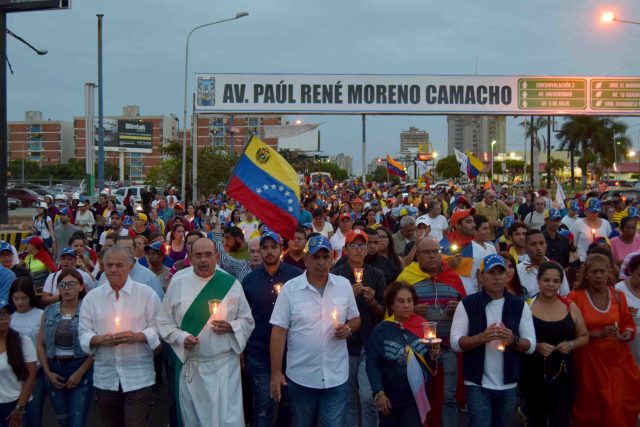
191, 213
17, 369
548, 375
178, 248
43, 227
128, 203
386, 249
512, 280
139, 243
608, 378
38, 261
631, 289
106, 214
234, 219
26, 321
68, 368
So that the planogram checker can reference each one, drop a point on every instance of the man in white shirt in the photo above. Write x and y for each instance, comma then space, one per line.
572, 215
116, 227
536, 246
68, 259
206, 320
314, 315
493, 329
117, 326
535, 219
345, 223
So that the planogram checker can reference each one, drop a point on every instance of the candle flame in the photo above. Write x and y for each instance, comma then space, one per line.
278, 288
334, 314
454, 248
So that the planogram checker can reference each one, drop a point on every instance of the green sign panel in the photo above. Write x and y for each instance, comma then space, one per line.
615, 94
552, 93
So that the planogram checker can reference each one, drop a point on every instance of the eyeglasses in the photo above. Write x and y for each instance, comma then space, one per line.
358, 245
67, 285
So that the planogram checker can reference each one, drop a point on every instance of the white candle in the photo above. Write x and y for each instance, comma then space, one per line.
116, 321
334, 317
358, 272
214, 309
454, 249
277, 287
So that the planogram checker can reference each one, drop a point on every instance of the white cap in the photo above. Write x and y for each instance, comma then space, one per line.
422, 220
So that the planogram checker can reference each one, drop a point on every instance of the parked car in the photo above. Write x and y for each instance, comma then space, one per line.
135, 190
627, 193
13, 203
26, 197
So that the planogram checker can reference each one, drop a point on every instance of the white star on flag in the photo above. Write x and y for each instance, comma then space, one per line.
290, 201
266, 187
281, 188
273, 186
287, 194
258, 190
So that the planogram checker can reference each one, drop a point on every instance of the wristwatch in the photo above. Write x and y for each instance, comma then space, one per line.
516, 340
19, 408
350, 331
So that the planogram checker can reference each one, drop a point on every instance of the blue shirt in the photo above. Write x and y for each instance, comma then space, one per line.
259, 290
166, 261
6, 280
145, 276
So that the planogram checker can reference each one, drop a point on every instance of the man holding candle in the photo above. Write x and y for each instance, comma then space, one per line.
261, 288
206, 347
586, 230
317, 356
484, 321
368, 286
123, 368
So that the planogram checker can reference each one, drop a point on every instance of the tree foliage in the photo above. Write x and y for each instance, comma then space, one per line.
380, 175
448, 167
35, 171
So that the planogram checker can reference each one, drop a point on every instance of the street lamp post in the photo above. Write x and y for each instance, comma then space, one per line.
615, 160
493, 143
609, 17
184, 114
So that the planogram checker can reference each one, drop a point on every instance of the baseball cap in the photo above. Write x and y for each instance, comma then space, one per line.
507, 221
358, 200
143, 216
344, 215
4, 305
353, 234
491, 261
574, 205
554, 214
68, 251
461, 214
127, 221
593, 205
6, 246
318, 242
64, 211
82, 203
155, 246
270, 235
422, 220
116, 212
631, 212
308, 225
34, 240
43, 205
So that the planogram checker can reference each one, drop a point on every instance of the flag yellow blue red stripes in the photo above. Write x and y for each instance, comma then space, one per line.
266, 184
395, 168
474, 166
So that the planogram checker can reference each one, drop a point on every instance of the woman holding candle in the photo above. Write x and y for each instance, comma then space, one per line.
398, 377
177, 245
547, 379
607, 376
67, 368
586, 230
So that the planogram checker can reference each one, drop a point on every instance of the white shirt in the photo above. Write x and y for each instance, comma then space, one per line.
529, 277
493, 374
438, 225
129, 365
568, 221
28, 323
10, 386
471, 282
315, 358
534, 220
337, 243
85, 221
51, 284
103, 236
326, 229
583, 237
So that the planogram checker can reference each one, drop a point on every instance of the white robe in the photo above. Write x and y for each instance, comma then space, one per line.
214, 395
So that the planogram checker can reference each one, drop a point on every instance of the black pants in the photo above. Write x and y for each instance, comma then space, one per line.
552, 402
119, 409
405, 416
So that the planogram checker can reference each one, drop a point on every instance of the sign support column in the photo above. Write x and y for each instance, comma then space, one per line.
364, 150
100, 110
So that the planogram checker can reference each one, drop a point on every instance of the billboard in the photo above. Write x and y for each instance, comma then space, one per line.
27, 5
417, 94
131, 136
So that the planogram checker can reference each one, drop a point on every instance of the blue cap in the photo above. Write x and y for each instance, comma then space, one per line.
375, 202
4, 305
564, 232
308, 225
554, 214
632, 212
270, 235
5, 246
64, 211
574, 205
491, 261
593, 205
211, 200
127, 221
68, 251
155, 246
318, 242
507, 221
116, 212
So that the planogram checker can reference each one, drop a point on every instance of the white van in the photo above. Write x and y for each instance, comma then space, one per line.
135, 190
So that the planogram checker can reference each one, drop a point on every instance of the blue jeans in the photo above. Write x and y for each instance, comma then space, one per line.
449, 361
359, 386
259, 374
490, 408
328, 405
5, 411
71, 404
33, 411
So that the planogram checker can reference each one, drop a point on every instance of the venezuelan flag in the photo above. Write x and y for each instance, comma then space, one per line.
474, 166
395, 168
267, 185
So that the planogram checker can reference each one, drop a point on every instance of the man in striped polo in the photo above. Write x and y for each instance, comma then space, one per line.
439, 290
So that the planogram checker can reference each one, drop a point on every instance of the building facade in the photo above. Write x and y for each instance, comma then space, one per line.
343, 161
476, 133
48, 142
412, 139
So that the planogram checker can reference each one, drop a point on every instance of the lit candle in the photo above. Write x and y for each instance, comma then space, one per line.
277, 287
593, 233
358, 272
117, 323
167, 248
429, 333
500, 346
214, 309
454, 249
334, 317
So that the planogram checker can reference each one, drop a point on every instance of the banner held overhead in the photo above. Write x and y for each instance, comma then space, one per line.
416, 94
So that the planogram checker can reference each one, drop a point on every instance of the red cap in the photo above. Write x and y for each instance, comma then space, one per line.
353, 234
344, 215
459, 215
358, 200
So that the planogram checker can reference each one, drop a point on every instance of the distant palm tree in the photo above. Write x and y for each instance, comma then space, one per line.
594, 138
539, 143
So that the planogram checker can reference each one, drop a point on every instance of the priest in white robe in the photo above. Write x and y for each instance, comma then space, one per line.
206, 320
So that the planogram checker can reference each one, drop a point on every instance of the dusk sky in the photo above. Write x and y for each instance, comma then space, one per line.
144, 43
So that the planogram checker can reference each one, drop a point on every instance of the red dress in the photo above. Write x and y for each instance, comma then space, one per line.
608, 379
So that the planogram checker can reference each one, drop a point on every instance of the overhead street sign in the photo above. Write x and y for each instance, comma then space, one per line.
615, 94
416, 94
29, 5
541, 93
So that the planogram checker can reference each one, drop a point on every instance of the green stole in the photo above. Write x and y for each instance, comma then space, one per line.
197, 316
